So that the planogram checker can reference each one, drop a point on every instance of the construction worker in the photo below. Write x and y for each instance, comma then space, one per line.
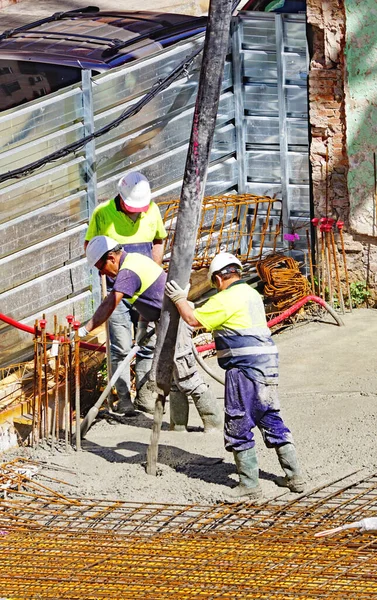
135, 222
246, 351
142, 281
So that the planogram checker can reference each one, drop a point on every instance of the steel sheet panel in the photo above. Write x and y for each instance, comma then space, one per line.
32, 151
40, 117
136, 79
295, 32
264, 166
260, 65
259, 32
42, 292
298, 167
261, 98
299, 200
41, 189
34, 261
155, 141
17, 345
221, 177
262, 130
20, 233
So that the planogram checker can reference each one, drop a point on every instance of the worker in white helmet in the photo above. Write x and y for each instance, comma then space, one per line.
133, 220
142, 281
246, 351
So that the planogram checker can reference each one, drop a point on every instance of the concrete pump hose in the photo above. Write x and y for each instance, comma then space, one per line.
205, 367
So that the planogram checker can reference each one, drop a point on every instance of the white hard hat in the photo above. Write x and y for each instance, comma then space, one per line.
97, 247
221, 262
135, 191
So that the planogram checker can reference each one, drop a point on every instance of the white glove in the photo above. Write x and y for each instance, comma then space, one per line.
175, 292
82, 332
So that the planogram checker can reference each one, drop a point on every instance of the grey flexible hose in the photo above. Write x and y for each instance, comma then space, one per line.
205, 367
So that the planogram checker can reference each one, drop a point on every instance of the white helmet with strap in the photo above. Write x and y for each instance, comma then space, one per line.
221, 264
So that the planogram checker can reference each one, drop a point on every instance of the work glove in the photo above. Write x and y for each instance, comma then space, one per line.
175, 292
82, 332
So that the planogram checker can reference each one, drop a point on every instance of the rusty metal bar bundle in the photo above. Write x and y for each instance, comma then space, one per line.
284, 283
245, 225
56, 383
55, 547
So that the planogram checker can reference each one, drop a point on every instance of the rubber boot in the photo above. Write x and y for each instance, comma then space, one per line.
248, 472
125, 408
179, 410
145, 398
208, 409
293, 479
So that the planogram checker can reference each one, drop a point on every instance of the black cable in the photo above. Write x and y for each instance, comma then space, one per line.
71, 148
133, 110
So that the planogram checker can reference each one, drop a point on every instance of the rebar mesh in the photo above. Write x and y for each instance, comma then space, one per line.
245, 225
55, 547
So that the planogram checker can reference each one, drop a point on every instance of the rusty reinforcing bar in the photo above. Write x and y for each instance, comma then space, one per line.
52, 546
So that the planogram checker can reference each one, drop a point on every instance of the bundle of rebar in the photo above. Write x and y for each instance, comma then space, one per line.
54, 369
246, 225
284, 283
328, 265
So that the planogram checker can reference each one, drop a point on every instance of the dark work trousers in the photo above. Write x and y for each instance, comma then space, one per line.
250, 404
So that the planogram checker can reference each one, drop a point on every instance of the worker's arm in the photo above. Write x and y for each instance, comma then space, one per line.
187, 313
158, 251
179, 297
103, 312
85, 244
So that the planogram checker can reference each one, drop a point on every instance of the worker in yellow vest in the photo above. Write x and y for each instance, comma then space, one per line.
246, 350
133, 220
141, 281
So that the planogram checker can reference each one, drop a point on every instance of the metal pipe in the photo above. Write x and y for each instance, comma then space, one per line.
76, 326
340, 225
335, 256
310, 262
66, 389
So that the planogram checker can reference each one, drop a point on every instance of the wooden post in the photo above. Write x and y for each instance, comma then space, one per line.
203, 127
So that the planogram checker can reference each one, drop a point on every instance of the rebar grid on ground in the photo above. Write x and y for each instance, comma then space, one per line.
54, 547
245, 225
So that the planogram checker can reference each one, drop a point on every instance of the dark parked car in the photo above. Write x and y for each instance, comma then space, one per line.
47, 55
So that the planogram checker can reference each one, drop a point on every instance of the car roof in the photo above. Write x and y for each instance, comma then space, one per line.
90, 38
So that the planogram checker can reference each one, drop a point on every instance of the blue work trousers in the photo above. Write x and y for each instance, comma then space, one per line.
121, 329
250, 404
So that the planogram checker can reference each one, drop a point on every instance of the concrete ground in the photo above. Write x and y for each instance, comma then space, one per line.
328, 392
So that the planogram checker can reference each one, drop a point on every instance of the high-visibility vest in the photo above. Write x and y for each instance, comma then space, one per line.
145, 268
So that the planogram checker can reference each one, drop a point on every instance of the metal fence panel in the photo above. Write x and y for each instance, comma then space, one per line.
44, 214
275, 66
260, 146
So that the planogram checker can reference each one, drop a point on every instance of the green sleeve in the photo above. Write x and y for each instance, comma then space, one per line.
92, 230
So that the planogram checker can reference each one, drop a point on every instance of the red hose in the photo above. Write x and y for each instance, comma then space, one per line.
284, 315
287, 313
50, 336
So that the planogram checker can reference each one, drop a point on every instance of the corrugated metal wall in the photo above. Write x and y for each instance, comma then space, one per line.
273, 111
44, 215
260, 146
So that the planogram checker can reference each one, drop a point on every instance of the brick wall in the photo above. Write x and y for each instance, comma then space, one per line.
328, 152
327, 116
